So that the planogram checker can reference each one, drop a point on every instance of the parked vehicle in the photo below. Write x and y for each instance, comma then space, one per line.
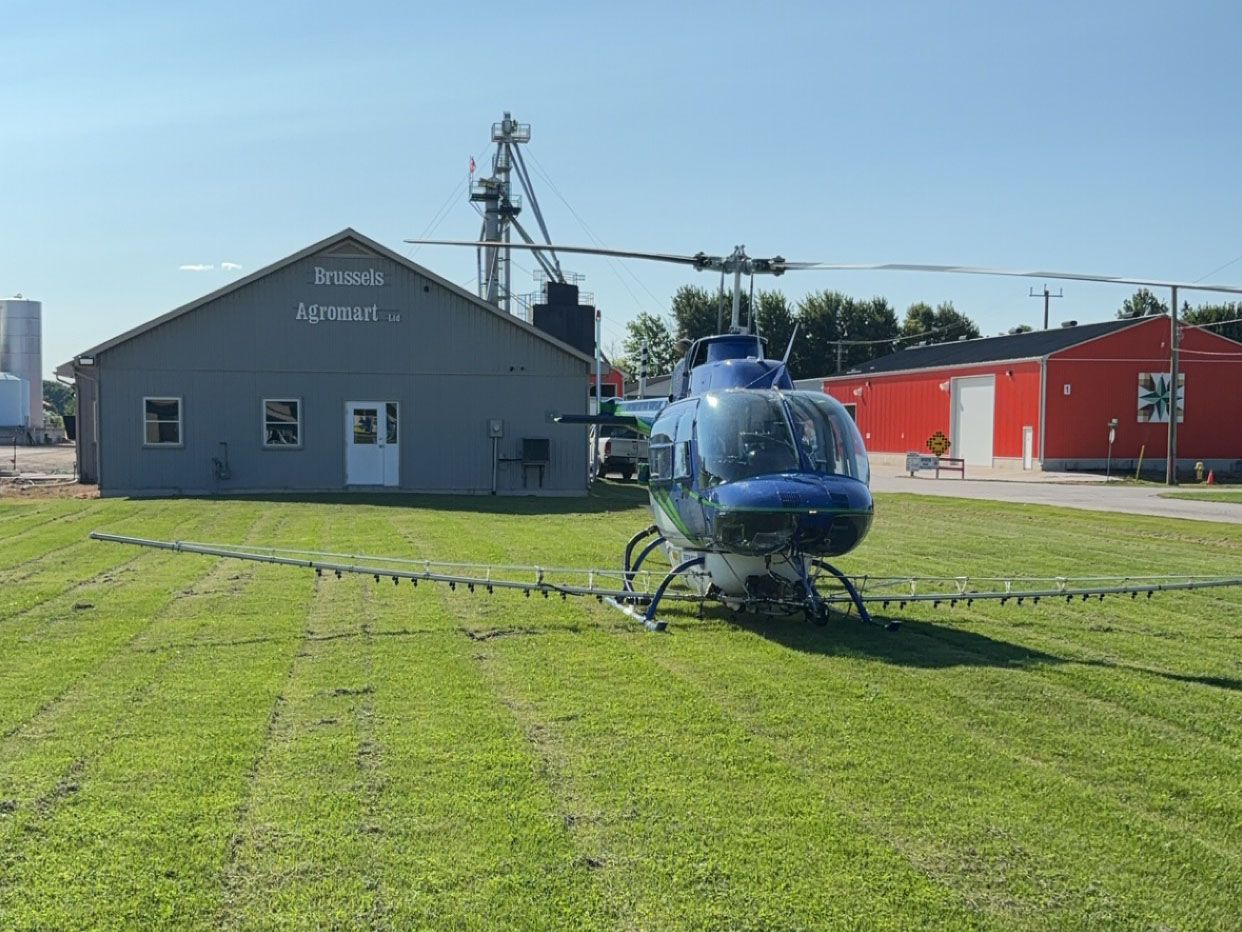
619, 449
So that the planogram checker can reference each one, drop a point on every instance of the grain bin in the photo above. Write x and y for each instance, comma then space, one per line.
21, 350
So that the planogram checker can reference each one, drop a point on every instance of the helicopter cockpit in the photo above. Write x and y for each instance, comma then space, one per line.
742, 434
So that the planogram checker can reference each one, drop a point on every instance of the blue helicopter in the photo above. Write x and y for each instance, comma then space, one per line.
751, 483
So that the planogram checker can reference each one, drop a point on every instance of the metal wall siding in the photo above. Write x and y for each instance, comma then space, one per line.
1103, 380
87, 428
897, 413
450, 364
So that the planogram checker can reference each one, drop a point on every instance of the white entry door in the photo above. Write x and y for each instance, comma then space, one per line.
974, 408
372, 443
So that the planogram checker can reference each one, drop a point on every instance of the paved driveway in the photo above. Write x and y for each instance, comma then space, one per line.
1095, 496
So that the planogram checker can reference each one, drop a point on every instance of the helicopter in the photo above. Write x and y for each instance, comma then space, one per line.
752, 486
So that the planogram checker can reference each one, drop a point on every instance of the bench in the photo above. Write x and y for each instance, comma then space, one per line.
950, 464
917, 461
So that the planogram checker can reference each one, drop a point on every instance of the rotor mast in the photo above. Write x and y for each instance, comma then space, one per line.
738, 264
500, 209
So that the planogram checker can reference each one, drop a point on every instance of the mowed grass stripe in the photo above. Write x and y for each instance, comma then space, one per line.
1181, 708
493, 848
19, 517
147, 812
301, 846
684, 819
88, 700
48, 543
50, 647
1190, 635
1094, 651
392, 780
73, 559
895, 739
689, 821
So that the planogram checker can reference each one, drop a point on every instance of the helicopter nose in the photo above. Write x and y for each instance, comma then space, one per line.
816, 515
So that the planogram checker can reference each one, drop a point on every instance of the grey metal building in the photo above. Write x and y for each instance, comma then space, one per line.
343, 366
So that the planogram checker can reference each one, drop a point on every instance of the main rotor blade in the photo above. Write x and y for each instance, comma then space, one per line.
1016, 273
584, 250
702, 261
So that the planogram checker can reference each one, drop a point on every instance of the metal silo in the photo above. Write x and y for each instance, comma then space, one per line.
21, 349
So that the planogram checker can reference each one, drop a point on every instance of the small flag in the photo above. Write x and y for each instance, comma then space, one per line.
472, 164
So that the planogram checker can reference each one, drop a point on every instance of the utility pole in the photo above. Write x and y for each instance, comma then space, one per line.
1046, 294
1170, 468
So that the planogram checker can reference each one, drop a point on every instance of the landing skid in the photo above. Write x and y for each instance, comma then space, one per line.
648, 617
855, 597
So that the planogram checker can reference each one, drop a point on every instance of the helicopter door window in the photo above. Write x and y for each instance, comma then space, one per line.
681, 461
660, 454
661, 461
682, 466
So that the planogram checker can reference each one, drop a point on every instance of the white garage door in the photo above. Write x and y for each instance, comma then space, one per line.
974, 406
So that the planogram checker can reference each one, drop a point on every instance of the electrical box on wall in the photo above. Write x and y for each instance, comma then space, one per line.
495, 428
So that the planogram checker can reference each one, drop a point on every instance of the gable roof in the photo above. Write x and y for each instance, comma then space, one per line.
1032, 345
348, 242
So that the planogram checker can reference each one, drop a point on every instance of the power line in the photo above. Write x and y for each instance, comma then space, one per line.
1215, 323
598, 242
1221, 269
442, 214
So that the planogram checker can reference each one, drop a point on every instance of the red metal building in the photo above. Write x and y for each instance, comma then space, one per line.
1044, 400
612, 383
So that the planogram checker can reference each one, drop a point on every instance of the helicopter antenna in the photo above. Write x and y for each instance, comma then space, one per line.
789, 348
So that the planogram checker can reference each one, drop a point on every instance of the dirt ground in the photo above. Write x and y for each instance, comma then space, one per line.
59, 459
41, 472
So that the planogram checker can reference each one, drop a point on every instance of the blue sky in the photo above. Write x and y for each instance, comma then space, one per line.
1096, 137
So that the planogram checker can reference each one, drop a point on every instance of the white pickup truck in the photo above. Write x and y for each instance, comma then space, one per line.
619, 450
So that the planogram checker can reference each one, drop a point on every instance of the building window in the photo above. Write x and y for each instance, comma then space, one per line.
161, 419
282, 423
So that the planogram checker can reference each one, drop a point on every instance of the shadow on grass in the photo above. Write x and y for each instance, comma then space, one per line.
603, 497
931, 646
1217, 682
914, 644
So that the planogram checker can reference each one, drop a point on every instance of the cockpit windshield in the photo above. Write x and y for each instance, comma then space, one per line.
828, 436
743, 434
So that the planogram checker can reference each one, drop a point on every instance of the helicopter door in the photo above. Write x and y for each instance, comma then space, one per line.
372, 443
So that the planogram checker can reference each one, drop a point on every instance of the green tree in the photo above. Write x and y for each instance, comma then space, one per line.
819, 327
944, 324
653, 331
1217, 314
61, 397
839, 329
1142, 304
698, 312
1021, 328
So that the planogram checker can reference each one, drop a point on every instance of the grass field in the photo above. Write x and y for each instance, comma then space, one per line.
1232, 497
195, 742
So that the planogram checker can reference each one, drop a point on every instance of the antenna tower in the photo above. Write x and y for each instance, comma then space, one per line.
500, 209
